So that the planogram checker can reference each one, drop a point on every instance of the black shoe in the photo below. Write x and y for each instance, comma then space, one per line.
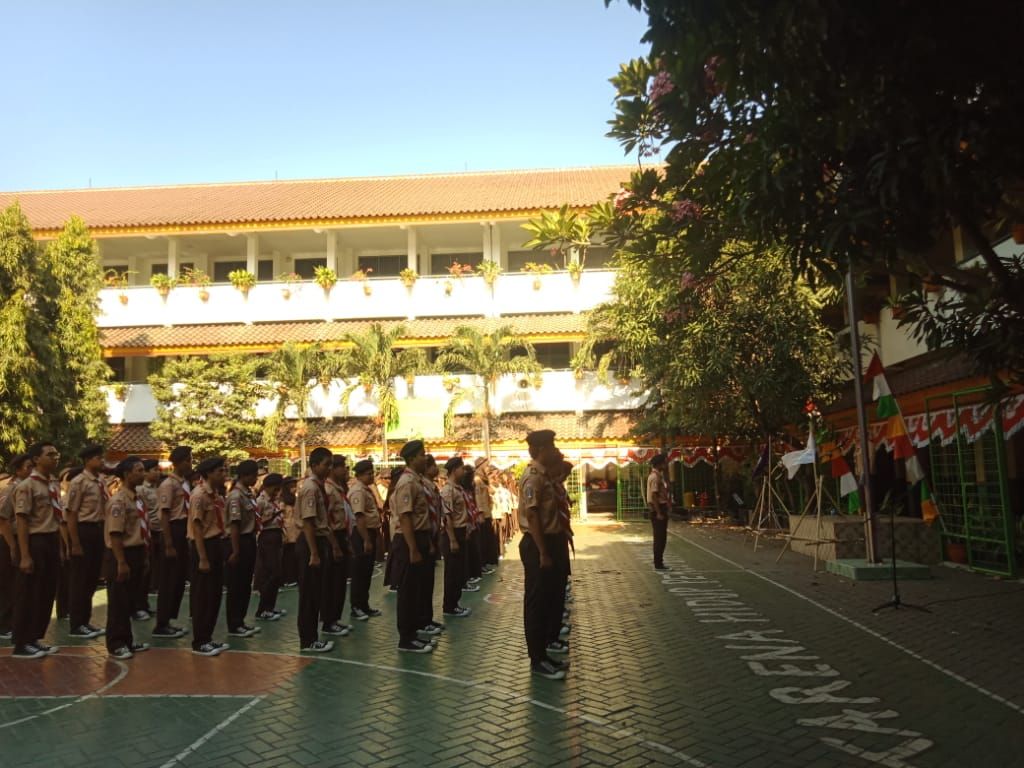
168, 632
28, 651
547, 669
373, 612
318, 646
415, 646
49, 650
82, 632
559, 646
139, 647
662, 568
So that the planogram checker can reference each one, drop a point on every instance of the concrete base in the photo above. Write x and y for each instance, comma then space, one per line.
862, 570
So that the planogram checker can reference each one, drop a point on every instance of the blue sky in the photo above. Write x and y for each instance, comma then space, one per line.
117, 93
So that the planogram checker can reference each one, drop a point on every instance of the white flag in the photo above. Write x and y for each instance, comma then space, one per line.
794, 459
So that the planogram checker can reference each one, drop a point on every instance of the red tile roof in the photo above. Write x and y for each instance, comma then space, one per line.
353, 199
595, 426
273, 334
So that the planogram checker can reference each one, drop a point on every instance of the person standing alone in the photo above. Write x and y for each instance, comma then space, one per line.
659, 501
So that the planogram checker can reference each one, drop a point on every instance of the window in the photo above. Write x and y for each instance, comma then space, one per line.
221, 270
384, 266
517, 260
115, 269
161, 269
265, 270
117, 366
554, 356
305, 268
439, 262
598, 257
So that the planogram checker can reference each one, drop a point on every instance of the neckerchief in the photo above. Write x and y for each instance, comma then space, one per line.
54, 490
140, 508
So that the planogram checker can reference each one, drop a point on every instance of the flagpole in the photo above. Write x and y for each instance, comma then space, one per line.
870, 544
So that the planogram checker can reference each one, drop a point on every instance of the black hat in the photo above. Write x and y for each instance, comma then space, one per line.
273, 480
206, 466
125, 466
339, 460
245, 468
288, 480
91, 451
366, 465
148, 464
540, 437
659, 460
411, 448
453, 463
181, 453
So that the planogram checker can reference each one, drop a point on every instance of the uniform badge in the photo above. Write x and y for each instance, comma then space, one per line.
529, 493
115, 512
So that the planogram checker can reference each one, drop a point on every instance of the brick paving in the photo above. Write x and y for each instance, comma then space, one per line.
722, 662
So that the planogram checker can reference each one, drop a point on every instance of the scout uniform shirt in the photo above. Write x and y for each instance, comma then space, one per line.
410, 498
536, 491
173, 496
123, 518
88, 497
7, 500
337, 506
311, 503
270, 512
206, 506
657, 490
361, 498
482, 491
242, 508
454, 506
38, 499
433, 502
147, 493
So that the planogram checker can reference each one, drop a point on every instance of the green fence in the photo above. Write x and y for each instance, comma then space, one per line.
629, 492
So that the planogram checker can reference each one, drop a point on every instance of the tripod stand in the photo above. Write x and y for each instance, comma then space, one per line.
896, 602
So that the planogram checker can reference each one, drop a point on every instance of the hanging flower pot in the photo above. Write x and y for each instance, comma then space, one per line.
286, 293
1018, 234
204, 295
536, 283
123, 298
367, 289
409, 379
449, 286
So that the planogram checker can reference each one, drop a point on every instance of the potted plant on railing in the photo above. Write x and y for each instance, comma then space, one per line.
114, 279
456, 271
363, 276
575, 270
489, 271
450, 382
243, 280
409, 276
163, 284
121, 390
325, 277
199, 279
537, 270
289, 279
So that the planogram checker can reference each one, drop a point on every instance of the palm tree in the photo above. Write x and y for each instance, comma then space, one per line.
373, 363
293, 371
487, 356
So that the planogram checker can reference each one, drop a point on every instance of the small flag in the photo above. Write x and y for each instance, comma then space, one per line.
929, 511
793, 460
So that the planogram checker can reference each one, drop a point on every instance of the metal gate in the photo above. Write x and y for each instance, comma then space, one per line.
630, 488
969, 478
577, 490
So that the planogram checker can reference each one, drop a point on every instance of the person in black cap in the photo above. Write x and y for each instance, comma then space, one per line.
206, 528
85, 511
270, 544
542, 538
336, 568
126, 533
313, 550
172, 498
364, 539
409, 505
429, 628
453, 540
292, 528
659, 501
243, 522
146, 491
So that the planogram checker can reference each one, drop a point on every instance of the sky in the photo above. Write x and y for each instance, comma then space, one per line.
117, 93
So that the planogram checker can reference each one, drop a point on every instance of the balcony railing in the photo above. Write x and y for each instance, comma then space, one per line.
430, 296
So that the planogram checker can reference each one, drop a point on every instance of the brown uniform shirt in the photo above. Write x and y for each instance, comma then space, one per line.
7, 500
206, 506
363, 502
453, 501
410, 498
311, 504
34, 499
482, 492
657, 490
148, 494
271, 513
337, 506
88, 497
242, 508
171, 496
536, 491
123, 518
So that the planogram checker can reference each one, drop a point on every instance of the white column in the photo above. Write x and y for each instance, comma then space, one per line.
134, 278
496, 251
332, 251
252, 253
486, 240
410, 248
172, 257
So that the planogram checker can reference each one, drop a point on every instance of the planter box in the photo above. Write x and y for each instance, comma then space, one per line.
915, 541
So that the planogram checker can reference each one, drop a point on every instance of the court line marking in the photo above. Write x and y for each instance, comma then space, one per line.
211, 733
77, 700
863, 627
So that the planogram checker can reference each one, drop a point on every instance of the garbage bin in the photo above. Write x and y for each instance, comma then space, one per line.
689, 500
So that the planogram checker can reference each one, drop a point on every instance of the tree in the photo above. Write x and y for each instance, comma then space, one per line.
488, 356
292, 372
209, 403
81, 371
373, 363
843, 134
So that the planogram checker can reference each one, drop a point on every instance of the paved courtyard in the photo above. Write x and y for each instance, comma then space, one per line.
729, 660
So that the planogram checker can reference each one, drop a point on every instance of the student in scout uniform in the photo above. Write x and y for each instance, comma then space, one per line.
173, 503
38, 513
393, 532
427, 626
270, 547
19, 469
313, 550
542, 535
474, 568
336, 567
453, 538
244, 523
125, 535
409, 505
659, 501
292, 532
206, 532
482, 495
557, 629
147, 492
85, 512
63, 600
364, 539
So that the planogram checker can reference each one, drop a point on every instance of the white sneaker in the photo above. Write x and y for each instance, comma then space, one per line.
207, 649
471, 587
319, 646
121, 653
